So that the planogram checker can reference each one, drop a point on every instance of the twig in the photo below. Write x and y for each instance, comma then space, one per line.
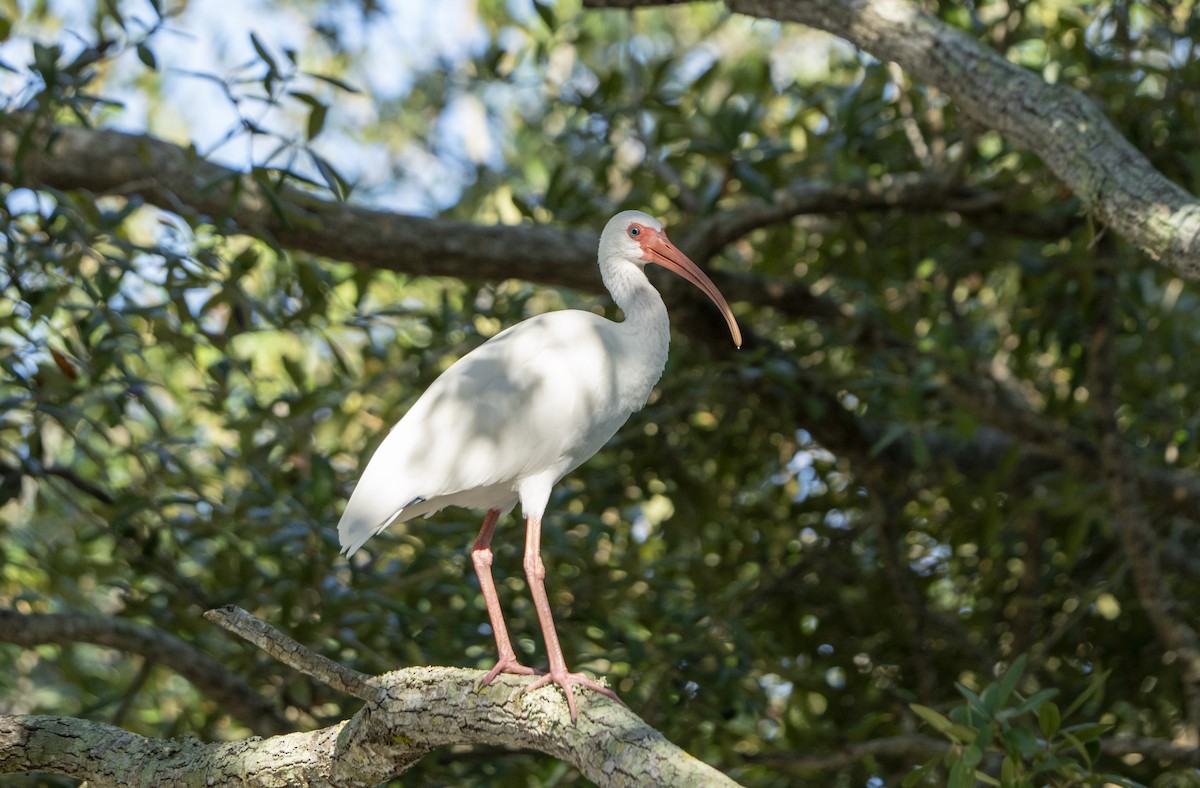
293, 654
66, 474
80, 483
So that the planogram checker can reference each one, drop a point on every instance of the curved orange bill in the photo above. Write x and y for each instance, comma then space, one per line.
659, 250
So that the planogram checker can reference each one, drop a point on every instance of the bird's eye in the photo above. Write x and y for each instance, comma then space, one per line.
635, 231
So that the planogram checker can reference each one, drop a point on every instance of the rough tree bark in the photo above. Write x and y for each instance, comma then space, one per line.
408, 714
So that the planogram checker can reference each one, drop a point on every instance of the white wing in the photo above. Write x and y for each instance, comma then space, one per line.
538, 398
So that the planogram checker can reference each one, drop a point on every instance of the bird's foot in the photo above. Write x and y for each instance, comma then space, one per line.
506, 664
568, 680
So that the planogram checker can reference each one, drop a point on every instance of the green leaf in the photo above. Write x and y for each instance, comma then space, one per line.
1032, 703
263, 54
1022, 742
316, 120
45, 60
267, 190
147, 57
545, 11
985, 778
960, 776
974, 701
1008, 682
1058, 764
337, 83
942, 724
1010, 771
917, 776
1087, 731
114, 10
295, 372
333, 179
972, 755
1049, 720
1096, 685
306, 97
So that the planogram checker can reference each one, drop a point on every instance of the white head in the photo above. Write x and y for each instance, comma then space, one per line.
638, 238
623, 234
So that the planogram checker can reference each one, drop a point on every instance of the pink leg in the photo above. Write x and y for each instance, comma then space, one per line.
481, 556
535, 571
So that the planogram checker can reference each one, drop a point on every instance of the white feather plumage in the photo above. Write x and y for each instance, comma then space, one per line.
522, 410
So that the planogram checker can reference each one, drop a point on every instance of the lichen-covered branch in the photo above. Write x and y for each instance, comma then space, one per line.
292, 653
409, 713
106, 756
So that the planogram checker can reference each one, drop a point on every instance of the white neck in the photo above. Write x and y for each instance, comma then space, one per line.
645, 333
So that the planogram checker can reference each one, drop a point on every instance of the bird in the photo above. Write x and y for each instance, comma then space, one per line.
508, 420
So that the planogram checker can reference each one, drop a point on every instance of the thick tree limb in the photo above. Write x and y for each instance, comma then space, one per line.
443, 708
107, 756
233, 694
176, 179
1058, 123
409, 713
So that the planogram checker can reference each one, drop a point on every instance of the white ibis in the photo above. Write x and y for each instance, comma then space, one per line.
522, 410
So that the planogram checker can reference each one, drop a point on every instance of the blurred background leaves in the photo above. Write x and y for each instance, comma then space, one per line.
787, 549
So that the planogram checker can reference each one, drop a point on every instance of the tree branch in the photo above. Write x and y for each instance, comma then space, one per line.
209, 676
177, 180
1058, 123
408, 714
293, 654
917, 192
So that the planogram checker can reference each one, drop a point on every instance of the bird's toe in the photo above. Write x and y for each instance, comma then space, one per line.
507, 665
570, 680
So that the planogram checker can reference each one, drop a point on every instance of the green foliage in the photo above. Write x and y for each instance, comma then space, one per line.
813, 543
1000, 723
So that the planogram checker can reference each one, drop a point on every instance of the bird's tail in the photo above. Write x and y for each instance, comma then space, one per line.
373, 506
